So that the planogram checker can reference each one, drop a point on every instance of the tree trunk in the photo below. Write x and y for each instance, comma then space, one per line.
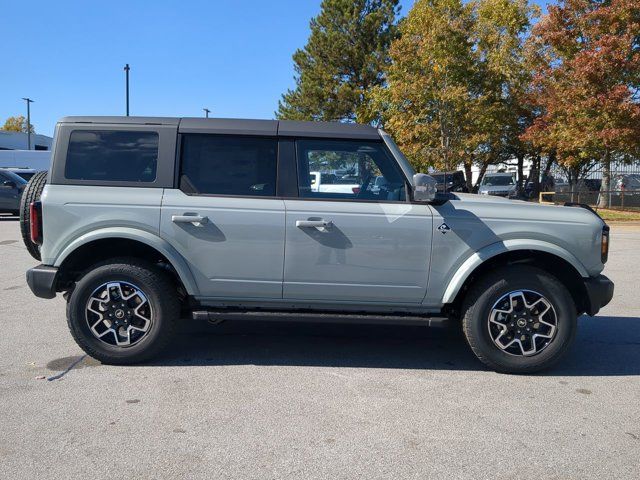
483, 170
535, 176
468, 176
606, 181
520, 158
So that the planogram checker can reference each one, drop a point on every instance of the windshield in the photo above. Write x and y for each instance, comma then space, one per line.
14, 177
498, 180
441, 176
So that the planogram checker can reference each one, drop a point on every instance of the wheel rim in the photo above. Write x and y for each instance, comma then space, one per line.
522, 323
119, 314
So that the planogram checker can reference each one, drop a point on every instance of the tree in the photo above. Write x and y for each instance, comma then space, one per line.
455, 70
343, 59
587, 84
17, 124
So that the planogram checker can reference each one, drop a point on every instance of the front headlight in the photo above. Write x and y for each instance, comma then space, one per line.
604, 248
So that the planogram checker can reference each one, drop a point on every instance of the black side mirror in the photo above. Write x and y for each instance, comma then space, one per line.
10, 184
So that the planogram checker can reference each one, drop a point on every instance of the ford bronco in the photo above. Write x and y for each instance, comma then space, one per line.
143, 221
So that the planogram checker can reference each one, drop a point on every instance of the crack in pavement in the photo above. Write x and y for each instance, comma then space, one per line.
66, 370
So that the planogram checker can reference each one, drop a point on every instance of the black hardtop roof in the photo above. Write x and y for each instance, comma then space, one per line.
236, 126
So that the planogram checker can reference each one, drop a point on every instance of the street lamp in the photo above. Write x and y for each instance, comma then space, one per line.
126, 70
206, 112
29, 102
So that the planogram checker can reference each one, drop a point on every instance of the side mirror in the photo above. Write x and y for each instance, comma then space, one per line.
10, 184
424, 187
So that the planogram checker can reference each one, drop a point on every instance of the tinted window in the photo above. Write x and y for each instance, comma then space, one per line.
228, 165
109, 155
8, 175
348, 170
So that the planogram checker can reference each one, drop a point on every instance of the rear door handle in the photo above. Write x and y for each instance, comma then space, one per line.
314, 223
188, 219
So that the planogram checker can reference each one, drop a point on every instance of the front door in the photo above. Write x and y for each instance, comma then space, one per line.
356, 239
224, 220
9, 195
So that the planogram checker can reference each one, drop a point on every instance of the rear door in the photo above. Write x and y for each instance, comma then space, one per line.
362, 243
224, 219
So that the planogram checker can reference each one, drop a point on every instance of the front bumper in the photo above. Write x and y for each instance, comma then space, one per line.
599, 293
42, 281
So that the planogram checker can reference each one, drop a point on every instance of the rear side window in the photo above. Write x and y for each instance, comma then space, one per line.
110, 155
228, 165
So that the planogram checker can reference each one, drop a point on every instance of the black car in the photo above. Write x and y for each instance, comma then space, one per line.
450, 181
11, 188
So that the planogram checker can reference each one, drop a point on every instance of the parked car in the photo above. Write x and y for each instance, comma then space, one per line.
628, 182
25, 173
145, 221
450, 181
499, 184
329, 182
11, 188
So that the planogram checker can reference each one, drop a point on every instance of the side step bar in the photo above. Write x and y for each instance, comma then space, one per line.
221, 315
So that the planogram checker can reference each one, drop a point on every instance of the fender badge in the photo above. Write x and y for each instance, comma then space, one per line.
444, 228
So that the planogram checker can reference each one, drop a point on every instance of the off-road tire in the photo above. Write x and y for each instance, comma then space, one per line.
487, 290
31, 193
159, 290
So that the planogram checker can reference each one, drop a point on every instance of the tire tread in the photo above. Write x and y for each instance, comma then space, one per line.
158, 281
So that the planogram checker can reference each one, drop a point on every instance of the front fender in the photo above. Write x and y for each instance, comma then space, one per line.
142, 236
481, 256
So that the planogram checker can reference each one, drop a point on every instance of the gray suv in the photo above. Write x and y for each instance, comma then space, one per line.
142, 222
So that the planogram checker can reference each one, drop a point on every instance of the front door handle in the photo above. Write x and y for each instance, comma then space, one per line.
314, 223
188, 219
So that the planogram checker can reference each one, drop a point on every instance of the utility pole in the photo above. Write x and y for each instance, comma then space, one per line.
206, 112
126, 70
29, 102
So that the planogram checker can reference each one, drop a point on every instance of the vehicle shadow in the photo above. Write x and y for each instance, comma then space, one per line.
605, 346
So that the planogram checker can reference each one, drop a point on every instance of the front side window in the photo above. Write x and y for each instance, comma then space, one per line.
228, 165
351, 170
111, 155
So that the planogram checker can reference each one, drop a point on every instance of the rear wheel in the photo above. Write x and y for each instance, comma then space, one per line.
123, 312
519, 319
31, 193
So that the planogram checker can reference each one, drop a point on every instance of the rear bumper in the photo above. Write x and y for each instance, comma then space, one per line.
42, 281
599, 293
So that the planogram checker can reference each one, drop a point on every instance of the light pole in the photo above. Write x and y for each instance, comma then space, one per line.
126, 70
29, 102
206, 112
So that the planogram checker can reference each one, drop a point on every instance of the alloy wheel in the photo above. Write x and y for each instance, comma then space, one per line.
119, 314
522, 323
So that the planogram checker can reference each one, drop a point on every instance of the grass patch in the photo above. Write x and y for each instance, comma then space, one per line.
618, 215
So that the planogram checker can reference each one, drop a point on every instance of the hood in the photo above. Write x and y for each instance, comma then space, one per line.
496, 188
521, 210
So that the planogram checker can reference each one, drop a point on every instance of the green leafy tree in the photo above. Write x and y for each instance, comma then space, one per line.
344, 58
587, 83
454, 75
17, 124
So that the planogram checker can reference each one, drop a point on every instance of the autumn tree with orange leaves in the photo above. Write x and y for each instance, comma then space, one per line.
586, 84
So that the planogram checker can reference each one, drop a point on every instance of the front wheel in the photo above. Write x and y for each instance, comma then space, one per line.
519, 319
123, 311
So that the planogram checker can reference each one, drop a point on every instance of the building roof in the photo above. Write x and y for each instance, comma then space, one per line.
235, 126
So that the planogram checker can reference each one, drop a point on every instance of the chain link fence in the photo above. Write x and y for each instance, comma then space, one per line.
585, 186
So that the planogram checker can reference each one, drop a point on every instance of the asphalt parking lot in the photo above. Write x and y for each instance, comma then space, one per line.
262, 401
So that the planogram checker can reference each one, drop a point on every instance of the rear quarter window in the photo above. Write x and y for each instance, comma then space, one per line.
110, 155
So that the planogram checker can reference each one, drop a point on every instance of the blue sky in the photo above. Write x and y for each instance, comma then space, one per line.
233, 57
